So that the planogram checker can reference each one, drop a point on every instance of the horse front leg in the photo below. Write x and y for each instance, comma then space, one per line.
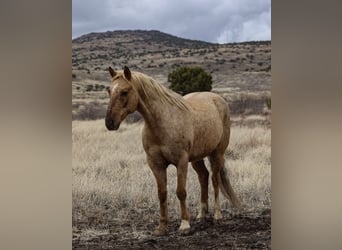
182, 170
159, 170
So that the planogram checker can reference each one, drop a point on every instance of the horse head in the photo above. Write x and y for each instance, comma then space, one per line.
123, 98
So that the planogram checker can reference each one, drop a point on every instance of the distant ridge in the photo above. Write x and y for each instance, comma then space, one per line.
241, 72
244, 67
146, 35
152, 35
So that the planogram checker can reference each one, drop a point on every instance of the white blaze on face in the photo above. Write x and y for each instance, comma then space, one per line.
114, 87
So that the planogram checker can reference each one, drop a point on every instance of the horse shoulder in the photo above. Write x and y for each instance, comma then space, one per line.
148, 139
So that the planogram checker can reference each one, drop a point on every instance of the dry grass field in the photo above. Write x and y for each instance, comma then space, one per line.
115, 195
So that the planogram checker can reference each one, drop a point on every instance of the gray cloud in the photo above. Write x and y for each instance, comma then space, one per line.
209, 20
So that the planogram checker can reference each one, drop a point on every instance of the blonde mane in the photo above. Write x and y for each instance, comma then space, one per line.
155, 91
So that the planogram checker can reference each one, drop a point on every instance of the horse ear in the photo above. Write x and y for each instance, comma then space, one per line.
127, 73
111, 71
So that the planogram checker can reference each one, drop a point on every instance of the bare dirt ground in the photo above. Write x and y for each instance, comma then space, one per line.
242, 230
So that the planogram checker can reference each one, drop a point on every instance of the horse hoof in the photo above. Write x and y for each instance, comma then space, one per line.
159, 231
184, 227
218, 217
200, 217
184, 231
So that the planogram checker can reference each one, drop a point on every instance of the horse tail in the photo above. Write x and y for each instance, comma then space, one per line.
227, 189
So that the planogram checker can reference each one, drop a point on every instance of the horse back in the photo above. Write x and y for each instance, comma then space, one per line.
203, 103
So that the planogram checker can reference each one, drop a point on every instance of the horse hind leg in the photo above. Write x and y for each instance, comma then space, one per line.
216, 162
221, 181
203, 176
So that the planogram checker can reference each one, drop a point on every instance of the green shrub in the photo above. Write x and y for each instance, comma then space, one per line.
185, 80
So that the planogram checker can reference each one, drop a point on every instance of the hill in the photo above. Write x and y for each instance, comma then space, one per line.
237, 68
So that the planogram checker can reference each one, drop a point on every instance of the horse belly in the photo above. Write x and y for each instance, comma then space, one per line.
205, 142
170, 147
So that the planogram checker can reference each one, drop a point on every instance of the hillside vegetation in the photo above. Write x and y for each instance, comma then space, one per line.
241, 72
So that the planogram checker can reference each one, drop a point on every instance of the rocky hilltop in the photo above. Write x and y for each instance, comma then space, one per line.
237, 68
158, 53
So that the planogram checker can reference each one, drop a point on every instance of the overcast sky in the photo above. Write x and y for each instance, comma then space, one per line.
219, 21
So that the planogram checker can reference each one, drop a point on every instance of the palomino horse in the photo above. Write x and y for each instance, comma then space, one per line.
177, 130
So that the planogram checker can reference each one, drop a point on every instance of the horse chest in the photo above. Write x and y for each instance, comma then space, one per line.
169, 147
171, 154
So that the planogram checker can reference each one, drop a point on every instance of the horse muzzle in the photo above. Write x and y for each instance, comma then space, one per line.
112, 125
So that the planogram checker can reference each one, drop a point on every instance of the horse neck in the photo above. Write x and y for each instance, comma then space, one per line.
156, 113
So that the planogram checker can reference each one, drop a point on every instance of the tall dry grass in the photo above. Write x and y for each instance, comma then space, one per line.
110, 171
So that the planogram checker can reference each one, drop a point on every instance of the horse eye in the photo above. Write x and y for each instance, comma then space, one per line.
124, 93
